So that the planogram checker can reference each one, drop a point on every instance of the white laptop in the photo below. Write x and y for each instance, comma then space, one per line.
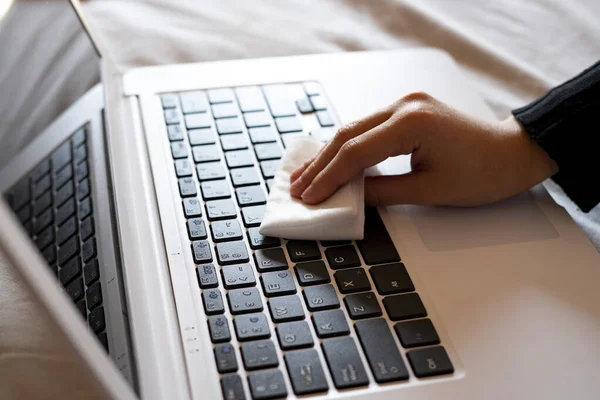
131, 206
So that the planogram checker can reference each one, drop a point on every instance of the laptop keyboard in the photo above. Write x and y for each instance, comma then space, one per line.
54, 205
226, 145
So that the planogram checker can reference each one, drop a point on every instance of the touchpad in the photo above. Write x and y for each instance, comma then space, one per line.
518, 219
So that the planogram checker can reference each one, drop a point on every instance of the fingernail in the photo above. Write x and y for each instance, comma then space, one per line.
308, 195
297, 188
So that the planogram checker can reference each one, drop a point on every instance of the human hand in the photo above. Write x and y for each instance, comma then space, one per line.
457, 160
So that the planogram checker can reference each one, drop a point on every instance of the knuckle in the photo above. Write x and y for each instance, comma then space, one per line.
351, 149
346, 132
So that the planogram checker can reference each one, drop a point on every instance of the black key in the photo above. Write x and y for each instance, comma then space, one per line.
40, 171
213, 302
68, 209
103, 340
312, 273
201, 136
219, 332
391, 279
244, 176
250, 98
430, 361
330, 243
220, 95
93, 296
267, 151
258, 241
206, 153
198, 121
61, 157
210, 170
201, 252
213, 190
86, 229
270, 260
83, 189
25, 214
42, 203
70, 271
187, 187
306, 372
91, 272
68, 250
96, 320
243, 301
352, 280
45, 238
377, 246
220, 209
232, 388
268, 384
75, 290
196, 229
232, 253
342, 257
65, 175
303, 250
179, 150
294, 335
226, 230
304, 105
279, 101
265, 134
226, 110
229, 125
65, 193
250, 195
416, 333
191, 207
88, 250
168, 101
251, 327
238, 276
175, 132
286, 308
235, 141
312, 88
41, 187
79, 155
239, 158
318, 102
193, 102
225, 358
67, 230
207, 276
362, 305
81, 171
42, 221
183, 168
257, 119
253, 215
330, 323
321, 297
344, 363
325, 119
288, 124
50, 254
269, 168
278, 283
259, 355
21, 194
381, 351
171, 117
82, 310
405, 306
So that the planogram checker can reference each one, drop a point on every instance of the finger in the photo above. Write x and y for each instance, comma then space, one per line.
415, 187
296, 174
332, 147
356, 155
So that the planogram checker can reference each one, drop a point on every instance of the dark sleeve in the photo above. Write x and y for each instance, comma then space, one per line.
565, 122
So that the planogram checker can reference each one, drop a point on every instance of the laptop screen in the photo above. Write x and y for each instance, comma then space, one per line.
47, 62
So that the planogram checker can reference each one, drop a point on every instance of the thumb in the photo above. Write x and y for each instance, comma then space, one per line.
416, 187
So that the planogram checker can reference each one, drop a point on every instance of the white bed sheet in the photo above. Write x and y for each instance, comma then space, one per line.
513, 50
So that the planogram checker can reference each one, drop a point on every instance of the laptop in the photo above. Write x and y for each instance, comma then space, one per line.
131, 202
